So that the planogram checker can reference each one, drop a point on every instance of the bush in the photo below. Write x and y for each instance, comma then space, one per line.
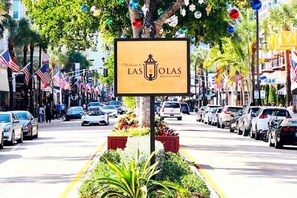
140, 131
194, 184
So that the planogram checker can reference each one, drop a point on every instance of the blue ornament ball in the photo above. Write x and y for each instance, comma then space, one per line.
230, 29
134, 4
256, 4
84, 8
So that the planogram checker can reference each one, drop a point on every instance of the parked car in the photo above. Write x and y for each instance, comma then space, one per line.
95, 117
283, 132
214, 115
118, 105
263, 116
74, 112
199, 114
30, 124
185, 108
94, 106
171, 109
11, 127
234, 121
206, 114
1, 138
110, 110
225, 116
245, 121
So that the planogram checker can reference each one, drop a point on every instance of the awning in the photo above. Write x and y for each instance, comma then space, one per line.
3, 80
281, 91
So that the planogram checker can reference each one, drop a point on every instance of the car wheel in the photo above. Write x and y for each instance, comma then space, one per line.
223, 126
257, 134
231, 129
239, 132
219, 126
12, 139
21, 138
277, 144
269, 140
2, 142
245, 132
82, 124
179, 118
36, 136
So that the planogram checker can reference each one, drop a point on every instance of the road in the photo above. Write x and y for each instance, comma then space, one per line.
45, 167
240, 167
237, 166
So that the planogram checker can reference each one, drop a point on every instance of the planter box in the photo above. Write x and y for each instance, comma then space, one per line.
171, 143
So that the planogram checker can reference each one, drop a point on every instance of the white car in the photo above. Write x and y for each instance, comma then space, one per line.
215, 115
110, 110
206, 115
225, 116
263, 116
95, 117
1, 138
171, 109
11, 127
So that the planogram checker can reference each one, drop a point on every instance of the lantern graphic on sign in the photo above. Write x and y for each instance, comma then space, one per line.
150, 68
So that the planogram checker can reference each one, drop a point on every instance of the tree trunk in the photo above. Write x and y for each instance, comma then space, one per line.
32, 96
288, 80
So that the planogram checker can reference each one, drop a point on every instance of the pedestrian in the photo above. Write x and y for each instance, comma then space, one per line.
41, 114
59, 110
280, 105
290, 108
48, 114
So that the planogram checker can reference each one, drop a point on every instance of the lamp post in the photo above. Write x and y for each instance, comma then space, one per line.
256, 5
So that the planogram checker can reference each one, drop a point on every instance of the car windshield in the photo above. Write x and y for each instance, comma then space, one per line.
276, 112
115, 103
282, 113
233, 109
5, 118
75, 109
22, 115
171, 105
109, 107
254, 110
95, 113
91, 104
292, 122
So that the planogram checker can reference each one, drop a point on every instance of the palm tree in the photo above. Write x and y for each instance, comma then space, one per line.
282, 18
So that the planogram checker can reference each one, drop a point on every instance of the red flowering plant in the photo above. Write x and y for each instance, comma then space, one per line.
161, 129
128, 121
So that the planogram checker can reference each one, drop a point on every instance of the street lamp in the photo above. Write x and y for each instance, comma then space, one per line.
256, 5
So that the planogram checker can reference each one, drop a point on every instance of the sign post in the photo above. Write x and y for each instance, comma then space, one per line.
152, 67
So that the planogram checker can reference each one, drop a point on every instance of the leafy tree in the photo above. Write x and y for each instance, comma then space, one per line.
271, 97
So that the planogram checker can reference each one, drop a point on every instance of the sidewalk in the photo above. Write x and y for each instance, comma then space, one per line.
44, 124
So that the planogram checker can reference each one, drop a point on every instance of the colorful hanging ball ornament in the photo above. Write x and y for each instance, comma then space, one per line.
160, 11
201, 1
197, 14
193, 39
230, 29
134, 4
137, 23
256, 4
84, 8
121, 1
233, 13
180, 34
108, 21
184, 30
161, 31
123, 36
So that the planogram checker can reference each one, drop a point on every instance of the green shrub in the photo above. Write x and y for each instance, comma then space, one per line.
174, 168
140, 131
194, 184
110, 155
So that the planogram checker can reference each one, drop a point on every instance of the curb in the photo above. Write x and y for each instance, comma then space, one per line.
215, 190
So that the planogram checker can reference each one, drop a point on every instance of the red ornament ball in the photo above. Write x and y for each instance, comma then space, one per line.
233, 14
137, 23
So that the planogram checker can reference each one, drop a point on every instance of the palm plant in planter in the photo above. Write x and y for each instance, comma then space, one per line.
128, 126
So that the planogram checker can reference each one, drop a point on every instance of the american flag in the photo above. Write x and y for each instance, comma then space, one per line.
294, 66
78, 84
43, 74
6, 60
67, 85
58, 77
26, 71
237, 76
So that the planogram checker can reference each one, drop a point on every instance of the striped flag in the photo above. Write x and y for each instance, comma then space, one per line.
78, 84
237, 76
67, 85
294, 66
58, 77
43, 74
6, 60
221, 83
26, 71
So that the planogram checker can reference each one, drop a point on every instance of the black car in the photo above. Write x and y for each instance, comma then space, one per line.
234, 121
74, 113
185, 108
283, 132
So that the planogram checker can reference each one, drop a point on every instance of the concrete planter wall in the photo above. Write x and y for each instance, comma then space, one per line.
171, 143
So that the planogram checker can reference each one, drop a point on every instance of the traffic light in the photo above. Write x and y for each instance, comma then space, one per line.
105, 72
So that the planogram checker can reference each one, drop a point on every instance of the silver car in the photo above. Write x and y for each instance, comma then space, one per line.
110, 110
11, 127
30, 124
